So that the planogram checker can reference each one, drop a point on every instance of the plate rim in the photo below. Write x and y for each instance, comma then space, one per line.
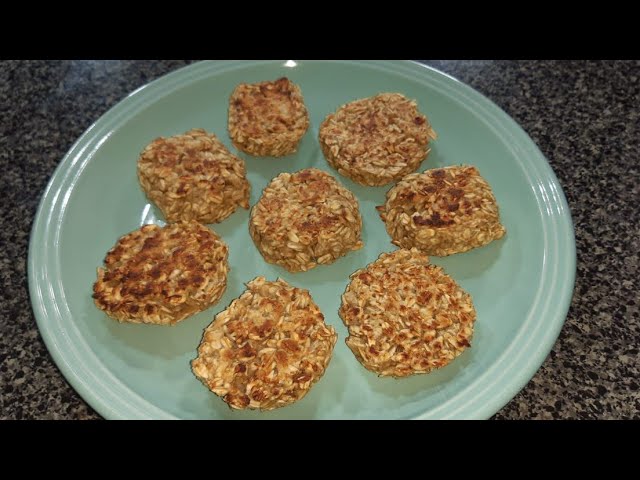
484, 404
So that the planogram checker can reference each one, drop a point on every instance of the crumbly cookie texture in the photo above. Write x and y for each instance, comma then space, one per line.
406, 316
376, 140
193, 176
267, 118
162, 275
267, 349
305, 219
442, 211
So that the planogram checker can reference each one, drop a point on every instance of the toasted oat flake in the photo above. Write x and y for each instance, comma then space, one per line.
267, 349
267, 118
304, 219
376, 140
162, 275
193, 176
442, 211
406, 316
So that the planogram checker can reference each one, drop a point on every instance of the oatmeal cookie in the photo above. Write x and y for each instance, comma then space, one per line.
162, 275
376, 140
267, 349
405, 315
193, 177
304, 219
442, 211
267, 118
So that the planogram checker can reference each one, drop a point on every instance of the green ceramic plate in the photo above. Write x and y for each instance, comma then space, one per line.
521, 285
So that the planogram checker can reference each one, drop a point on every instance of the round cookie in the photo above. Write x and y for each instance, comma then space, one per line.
376, 140
267, 349
162, 275
405, 315
267, 118
304, 219
193, 176
442, 211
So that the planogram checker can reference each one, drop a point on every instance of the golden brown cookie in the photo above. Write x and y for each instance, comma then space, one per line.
162, 275
405, 315
442, 211
267, 349
304, 219
376, 140
193, 176
267, 118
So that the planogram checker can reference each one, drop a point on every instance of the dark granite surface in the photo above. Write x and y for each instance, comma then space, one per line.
584, 116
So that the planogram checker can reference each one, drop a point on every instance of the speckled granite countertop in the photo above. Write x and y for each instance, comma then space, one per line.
584, 116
